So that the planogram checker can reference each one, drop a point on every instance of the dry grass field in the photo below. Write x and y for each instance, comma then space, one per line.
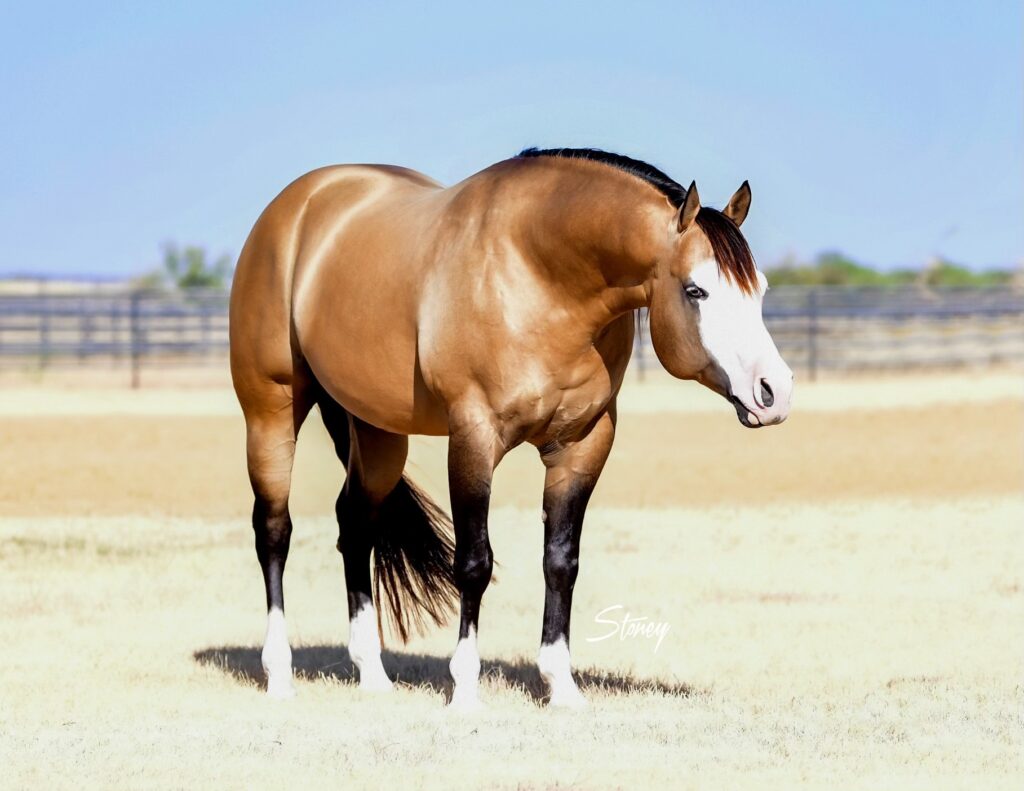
844, 597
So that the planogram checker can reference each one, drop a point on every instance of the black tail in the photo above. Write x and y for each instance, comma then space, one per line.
413, 560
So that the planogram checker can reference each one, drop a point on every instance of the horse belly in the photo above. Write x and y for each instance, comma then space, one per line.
375, 378
364, 356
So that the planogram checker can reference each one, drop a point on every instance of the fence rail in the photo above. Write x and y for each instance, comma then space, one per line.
844, 329
131, 328
816, 329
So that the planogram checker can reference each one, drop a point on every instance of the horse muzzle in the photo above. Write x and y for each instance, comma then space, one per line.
765, 399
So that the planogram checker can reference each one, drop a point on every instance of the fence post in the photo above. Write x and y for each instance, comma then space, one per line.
205, 326
84, 331
812, 334
136, 339
44, 326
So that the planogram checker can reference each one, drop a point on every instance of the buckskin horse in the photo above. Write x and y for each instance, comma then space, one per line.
497, 311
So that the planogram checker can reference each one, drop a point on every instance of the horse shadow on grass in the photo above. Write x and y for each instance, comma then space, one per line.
423, 671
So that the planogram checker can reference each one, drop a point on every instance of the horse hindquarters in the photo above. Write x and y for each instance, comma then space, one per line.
276, 390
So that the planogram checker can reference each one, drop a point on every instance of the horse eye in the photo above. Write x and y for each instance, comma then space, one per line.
696, 292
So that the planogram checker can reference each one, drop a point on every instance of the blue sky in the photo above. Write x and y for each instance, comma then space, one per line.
890, 130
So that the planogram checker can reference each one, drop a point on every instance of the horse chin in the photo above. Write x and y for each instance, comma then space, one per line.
716, 380
745, 415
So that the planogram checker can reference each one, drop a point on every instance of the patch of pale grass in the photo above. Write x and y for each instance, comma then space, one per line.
862, 645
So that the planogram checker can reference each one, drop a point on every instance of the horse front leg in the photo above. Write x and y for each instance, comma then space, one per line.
473, 452
572, 472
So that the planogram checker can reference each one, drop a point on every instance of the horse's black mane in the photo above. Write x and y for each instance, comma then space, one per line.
672, 189
729, 246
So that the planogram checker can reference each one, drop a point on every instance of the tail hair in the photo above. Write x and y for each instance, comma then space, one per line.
414, 577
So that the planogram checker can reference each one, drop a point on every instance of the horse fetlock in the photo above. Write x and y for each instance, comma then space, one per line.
465, 670
364, 649
555, 668
276, 656
465, 665
277, 665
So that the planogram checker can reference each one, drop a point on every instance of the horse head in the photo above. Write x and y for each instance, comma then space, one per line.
705, 312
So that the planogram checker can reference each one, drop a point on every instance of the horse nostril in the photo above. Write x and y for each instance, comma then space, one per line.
767, 397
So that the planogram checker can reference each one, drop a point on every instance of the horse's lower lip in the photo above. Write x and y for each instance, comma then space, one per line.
746, 415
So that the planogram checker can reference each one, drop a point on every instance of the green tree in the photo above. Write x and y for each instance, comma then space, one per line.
835, 269
946, 273
189, 267
828, 269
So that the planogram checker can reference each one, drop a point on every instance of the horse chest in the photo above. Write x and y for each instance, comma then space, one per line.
576, 409
553, 409
558, 398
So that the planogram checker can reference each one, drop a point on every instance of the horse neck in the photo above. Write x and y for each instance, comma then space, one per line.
599, 234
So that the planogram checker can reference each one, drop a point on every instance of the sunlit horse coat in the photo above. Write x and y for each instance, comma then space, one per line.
497, 311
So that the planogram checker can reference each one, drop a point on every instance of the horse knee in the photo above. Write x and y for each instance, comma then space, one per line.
272, 526
473, 568
561, 565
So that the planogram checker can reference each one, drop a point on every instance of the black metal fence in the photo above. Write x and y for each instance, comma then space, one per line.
844, 329
816, 329
129, 328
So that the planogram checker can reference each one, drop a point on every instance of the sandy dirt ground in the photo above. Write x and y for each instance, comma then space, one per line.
844, 597
181, 453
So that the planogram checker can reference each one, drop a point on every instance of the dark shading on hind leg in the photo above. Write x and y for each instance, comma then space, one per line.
273, 416
380, 510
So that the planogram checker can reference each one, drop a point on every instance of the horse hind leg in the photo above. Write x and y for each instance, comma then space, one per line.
355, 542
380, 511
274, 413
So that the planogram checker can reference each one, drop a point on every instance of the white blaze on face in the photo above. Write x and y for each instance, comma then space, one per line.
733, 334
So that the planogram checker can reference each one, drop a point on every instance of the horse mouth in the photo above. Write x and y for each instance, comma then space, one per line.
746, 416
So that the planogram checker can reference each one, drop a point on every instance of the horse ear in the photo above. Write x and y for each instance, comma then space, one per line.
688, 211
739, 204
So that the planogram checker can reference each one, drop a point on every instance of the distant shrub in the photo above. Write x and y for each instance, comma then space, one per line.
186, 268
835, 269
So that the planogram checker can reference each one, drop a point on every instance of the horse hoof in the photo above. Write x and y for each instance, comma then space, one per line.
573, 700
280, 690
465, 704
375, 684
